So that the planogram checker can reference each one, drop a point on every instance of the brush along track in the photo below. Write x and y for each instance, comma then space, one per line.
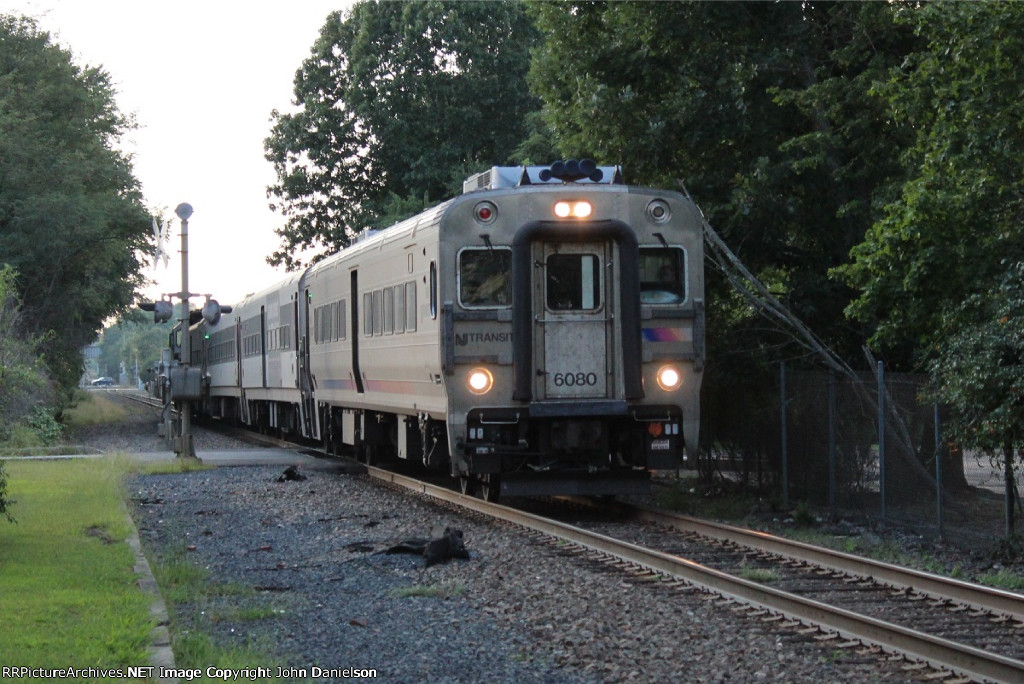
838, 603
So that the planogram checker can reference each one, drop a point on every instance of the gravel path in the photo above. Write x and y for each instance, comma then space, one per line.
302, 577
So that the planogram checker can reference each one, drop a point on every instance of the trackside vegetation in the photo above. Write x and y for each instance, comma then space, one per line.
68, 592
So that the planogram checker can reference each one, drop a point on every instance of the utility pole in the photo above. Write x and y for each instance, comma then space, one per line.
187, 448
182, 384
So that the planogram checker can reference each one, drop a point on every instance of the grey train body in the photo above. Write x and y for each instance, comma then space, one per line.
531, 336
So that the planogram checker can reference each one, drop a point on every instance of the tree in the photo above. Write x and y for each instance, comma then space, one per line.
5, 501
961, 198
24, 382
134, 340
765, 111
397, 103
72, 221
979, 374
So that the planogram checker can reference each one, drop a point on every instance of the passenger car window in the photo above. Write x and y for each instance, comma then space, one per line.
485, 277
662, 275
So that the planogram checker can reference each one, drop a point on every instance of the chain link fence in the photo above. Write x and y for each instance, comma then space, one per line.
830, 453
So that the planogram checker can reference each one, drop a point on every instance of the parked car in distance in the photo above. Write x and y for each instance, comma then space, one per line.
102, 382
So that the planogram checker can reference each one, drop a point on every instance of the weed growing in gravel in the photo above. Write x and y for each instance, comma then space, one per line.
1004, 579
244, 613
93, 408
179, 580
442, 590
185, 584
674, 499
178, 465
195, 649
760, 575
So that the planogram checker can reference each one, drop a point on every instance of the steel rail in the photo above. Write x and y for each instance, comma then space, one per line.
939, 653
977, 596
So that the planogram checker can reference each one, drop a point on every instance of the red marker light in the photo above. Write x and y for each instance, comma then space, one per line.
485, 212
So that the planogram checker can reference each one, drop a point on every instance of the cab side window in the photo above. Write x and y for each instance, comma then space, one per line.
662, 275
485, 277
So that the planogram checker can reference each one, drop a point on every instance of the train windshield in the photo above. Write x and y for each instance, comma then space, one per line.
485, 277
662, 275
574, 282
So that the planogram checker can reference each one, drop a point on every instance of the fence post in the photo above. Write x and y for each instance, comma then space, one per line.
1008, 483
881, 437
938, 475
785, 437
832, 432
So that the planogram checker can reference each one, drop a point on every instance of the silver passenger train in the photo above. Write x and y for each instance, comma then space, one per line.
542, 333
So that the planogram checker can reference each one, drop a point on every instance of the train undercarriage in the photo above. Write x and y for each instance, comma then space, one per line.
498, 453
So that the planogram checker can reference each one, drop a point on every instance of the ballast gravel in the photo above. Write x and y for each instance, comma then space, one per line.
294, 577
297, 571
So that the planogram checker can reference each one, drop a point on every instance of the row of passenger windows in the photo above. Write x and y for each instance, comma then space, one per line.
279, 338
390, 310
222, 346
387, 311
329, 322
251, 345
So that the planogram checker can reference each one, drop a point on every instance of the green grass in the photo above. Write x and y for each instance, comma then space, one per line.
759, 575
192, 600
1004, 579
89, 408
68, 592
93, 408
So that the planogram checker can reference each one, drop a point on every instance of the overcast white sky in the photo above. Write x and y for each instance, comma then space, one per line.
201, 78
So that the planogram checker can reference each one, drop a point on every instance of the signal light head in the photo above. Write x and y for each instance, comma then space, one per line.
211, 312
162, 310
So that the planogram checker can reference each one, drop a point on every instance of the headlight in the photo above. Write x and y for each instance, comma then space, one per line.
669, 378
480, 381
577, 209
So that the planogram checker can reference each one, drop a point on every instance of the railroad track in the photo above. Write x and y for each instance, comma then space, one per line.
958, 629
835, 596
136, 396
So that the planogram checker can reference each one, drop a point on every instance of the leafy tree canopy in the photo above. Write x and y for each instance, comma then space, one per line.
980, 372
134, 342
958, 210
72, 221
397, 103
763, 109
24, 382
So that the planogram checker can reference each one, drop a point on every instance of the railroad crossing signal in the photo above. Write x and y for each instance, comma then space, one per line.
212, 311
162, 310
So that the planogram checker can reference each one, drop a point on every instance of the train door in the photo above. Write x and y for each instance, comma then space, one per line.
354, 331
263, 346
243, 404
573, 309
307, 406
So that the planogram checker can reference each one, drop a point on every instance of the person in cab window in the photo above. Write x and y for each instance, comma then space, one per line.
666, 290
